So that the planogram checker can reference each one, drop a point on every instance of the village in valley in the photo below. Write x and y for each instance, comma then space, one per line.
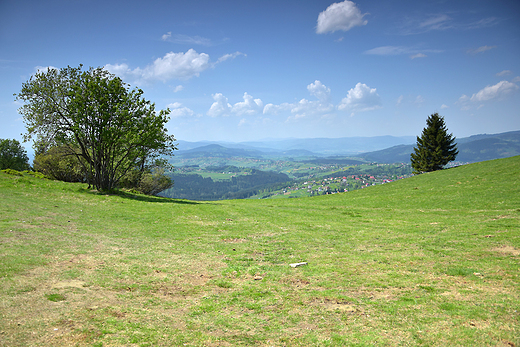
273, 179
333, 185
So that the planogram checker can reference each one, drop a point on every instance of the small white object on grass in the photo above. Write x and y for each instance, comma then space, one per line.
298, 264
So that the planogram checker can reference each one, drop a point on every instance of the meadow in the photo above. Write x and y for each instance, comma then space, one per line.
429, 260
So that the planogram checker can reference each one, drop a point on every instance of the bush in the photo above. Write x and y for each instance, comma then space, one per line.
12, 172
60, 164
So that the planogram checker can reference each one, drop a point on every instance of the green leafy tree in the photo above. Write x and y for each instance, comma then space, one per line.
93, 114
13, 155
435, 148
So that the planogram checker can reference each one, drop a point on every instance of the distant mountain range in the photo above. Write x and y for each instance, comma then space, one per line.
471, 149
315, 147
380, 149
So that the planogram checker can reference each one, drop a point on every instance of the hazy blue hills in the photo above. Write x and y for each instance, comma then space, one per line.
317, 147
380, 149
471, 149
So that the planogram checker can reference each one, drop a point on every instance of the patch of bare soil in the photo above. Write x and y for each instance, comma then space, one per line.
507, 250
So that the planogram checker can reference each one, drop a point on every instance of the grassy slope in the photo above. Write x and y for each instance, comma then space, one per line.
430, 260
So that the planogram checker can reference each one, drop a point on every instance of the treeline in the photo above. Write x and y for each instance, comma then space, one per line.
196, 187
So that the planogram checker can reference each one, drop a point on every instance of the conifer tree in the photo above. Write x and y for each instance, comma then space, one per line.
435, 148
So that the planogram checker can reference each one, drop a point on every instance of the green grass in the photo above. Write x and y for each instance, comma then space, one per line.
430, 260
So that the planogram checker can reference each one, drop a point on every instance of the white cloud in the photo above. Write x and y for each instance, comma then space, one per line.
249, 106
443, 106
360, 98
221, 106
178, 88
340, 16
437, 22
399, 100
504, 73
516, 79
180, 66
171, 66
177, 110
275, 109
498, 90
419, 100
319, 90
166, 36
306, 108
186, 39
230, 56
464, 98
481, 49
399, 50
418, 55
442, 21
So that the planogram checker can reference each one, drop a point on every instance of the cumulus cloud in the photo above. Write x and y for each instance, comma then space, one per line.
340, 16
481, 49
249, 106
494, 92
305, 108
220, 107
180, 66
178, 88
361, 98
177, 110
171, 66
319, 90
498, 90
275, 109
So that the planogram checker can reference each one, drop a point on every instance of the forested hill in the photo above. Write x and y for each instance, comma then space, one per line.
196, 187
471, 149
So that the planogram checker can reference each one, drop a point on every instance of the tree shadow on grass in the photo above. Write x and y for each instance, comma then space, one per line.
140, 197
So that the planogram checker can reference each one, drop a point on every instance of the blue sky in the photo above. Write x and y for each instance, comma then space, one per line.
250, 70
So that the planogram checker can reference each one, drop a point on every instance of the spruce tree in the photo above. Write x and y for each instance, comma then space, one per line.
435, 148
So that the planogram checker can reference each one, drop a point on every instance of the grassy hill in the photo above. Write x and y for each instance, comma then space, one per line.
428, 260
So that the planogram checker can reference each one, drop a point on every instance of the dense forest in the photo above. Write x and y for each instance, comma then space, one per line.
196, 187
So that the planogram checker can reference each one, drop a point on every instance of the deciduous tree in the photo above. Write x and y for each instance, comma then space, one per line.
435, 148
13, 155
94, 114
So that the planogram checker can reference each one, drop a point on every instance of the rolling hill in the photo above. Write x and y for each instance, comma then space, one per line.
427, 260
